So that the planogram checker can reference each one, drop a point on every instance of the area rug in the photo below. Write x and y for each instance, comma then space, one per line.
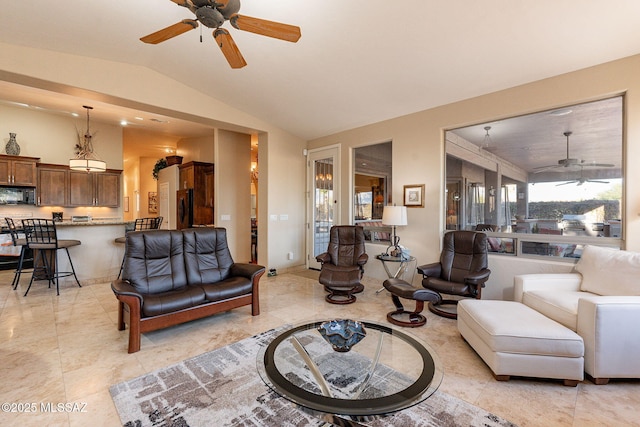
223, 388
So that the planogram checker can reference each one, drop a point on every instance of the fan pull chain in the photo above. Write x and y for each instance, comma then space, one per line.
200, 33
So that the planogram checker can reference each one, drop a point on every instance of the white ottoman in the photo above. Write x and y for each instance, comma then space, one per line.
514, 339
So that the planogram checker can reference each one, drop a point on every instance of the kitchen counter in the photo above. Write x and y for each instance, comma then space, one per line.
98, 258
93, 222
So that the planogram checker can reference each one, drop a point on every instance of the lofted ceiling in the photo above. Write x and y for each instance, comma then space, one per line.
357, 62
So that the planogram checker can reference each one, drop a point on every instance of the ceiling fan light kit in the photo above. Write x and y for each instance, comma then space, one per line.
213, 14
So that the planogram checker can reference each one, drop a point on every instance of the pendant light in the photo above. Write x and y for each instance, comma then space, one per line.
86, 159
487, 138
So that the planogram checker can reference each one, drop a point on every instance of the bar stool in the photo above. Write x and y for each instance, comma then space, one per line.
150, 223
42, 237
17, 241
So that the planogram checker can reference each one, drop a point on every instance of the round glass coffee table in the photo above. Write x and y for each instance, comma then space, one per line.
386, 371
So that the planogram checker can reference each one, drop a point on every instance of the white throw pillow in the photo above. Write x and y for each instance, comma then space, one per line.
607, 271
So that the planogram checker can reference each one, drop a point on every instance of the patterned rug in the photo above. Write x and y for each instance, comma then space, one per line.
223, 388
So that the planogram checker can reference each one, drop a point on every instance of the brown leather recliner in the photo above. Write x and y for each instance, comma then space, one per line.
462, 270
343, 263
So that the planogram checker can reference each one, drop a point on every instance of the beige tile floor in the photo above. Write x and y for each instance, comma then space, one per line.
66, 349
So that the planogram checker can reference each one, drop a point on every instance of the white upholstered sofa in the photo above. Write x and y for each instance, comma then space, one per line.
600, 301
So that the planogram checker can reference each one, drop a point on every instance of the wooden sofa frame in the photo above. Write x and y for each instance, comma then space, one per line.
129, 313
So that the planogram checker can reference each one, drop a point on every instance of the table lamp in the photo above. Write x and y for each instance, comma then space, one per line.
394, 216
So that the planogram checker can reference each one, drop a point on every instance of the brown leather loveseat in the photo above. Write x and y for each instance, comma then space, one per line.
174, 276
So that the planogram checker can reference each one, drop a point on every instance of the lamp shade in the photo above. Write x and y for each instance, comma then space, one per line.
394, 215
88, 165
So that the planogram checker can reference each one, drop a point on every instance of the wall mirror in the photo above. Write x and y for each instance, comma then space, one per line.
372, 188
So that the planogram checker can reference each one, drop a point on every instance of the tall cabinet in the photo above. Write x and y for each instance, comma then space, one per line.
199, 176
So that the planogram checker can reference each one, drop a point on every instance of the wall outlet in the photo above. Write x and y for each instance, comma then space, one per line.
290, 255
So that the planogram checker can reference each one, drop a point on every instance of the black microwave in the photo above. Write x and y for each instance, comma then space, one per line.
17, 196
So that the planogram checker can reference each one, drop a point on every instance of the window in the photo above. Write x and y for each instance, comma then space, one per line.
549, 182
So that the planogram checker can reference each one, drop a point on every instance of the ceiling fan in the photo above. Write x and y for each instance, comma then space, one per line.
582, 180
214, 13
572, 163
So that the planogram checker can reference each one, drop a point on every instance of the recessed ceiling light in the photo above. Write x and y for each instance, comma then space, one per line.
75, 114
138, 118
123, 123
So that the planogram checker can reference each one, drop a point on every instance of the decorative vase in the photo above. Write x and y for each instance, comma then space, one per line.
342, 334
12, 148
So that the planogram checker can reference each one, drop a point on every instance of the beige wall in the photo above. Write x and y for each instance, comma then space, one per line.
52, 137
233, 191
138, 168
197, 149
282, 178
418, 149
147, 185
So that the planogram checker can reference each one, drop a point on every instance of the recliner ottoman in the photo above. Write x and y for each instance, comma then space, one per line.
515, 340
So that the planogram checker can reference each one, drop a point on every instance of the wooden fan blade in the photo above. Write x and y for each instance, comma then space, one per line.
229, 48
263, 27
171, 31
186, 3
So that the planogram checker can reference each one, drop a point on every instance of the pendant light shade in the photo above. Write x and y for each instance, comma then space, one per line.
87, 165
86, 160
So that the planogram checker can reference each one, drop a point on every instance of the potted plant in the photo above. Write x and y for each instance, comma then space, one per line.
160, 164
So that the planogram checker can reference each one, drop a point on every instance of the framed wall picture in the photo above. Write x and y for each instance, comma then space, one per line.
414, 196
153, 202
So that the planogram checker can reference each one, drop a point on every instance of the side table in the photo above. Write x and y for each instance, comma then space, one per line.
401, 263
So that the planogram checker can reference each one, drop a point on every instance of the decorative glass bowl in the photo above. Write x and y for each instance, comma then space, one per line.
342, 334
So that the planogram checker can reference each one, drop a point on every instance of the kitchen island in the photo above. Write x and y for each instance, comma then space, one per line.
98, 258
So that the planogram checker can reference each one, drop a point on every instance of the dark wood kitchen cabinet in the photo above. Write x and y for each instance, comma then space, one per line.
60, 186
199, 176
52, 185
94, 189
18, 171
